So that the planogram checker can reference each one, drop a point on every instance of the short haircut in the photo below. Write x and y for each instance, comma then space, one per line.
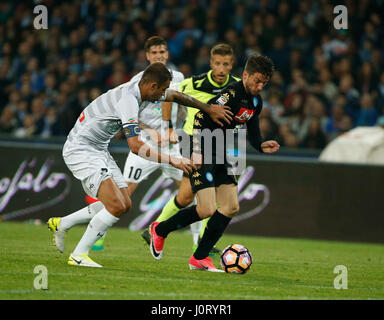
156, 72
154, 41
258, 63
222, 49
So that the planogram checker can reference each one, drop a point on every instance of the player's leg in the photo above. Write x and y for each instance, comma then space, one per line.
227, 200
176, 175
107, 183
116, 201
99, 244
183, 198
59, 226
183, 218
206, 207
78, 163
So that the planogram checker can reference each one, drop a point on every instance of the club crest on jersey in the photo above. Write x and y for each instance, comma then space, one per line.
209, 176
223, 99
255, 101
244, 115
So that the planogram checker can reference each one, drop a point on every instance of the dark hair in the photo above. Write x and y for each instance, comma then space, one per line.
154, 41
258, 63
222, 49
156, 72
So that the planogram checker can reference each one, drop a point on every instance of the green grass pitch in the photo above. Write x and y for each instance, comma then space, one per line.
282, 268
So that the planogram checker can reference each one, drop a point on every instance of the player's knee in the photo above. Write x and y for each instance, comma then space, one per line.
185, 199
118, 207
230, 210
205, 211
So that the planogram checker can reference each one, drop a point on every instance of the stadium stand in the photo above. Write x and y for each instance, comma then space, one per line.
327, 82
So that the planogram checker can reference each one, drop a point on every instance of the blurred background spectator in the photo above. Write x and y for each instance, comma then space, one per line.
327, 81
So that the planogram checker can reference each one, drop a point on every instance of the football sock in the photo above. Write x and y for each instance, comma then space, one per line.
180, 220
83, 215
195, 230
214, 230
203, 226
97, 227
169, 210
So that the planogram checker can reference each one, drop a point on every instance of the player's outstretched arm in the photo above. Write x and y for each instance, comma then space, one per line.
218, 113
254, 138
143, 150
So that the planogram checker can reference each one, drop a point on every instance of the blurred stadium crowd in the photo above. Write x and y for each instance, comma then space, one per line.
327, 81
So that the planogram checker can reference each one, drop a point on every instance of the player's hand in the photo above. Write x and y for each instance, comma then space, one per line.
183, 164
270, 146
197, 159
220, 114
170, 136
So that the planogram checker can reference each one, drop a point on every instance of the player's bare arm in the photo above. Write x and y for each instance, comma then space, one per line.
153, 133
137, 146
170, 135
218, 113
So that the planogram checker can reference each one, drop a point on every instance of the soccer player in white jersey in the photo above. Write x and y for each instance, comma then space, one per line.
85, 152
150, 120
137, 168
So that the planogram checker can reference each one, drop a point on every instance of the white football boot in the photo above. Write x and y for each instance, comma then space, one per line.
58, 235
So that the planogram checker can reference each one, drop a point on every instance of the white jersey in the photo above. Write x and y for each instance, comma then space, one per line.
107, 114
116, 109
151, 114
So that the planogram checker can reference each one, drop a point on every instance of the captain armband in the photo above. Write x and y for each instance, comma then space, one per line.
131, 130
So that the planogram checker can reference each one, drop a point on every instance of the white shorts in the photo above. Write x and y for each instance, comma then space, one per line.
137, 168
91, 167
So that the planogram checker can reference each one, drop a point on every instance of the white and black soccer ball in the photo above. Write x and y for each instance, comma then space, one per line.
236, 258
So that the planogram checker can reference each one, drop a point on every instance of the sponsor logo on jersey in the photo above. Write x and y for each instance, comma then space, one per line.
223, 99
244, 115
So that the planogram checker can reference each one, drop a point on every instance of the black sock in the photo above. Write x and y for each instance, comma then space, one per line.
213, 232
180, 220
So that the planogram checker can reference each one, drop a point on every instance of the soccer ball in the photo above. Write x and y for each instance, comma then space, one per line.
236, 259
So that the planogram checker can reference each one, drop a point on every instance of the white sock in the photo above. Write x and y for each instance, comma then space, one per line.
83, 215
195, 227
195, 230
97, 227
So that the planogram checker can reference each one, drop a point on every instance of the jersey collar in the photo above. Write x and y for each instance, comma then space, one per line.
210, 79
